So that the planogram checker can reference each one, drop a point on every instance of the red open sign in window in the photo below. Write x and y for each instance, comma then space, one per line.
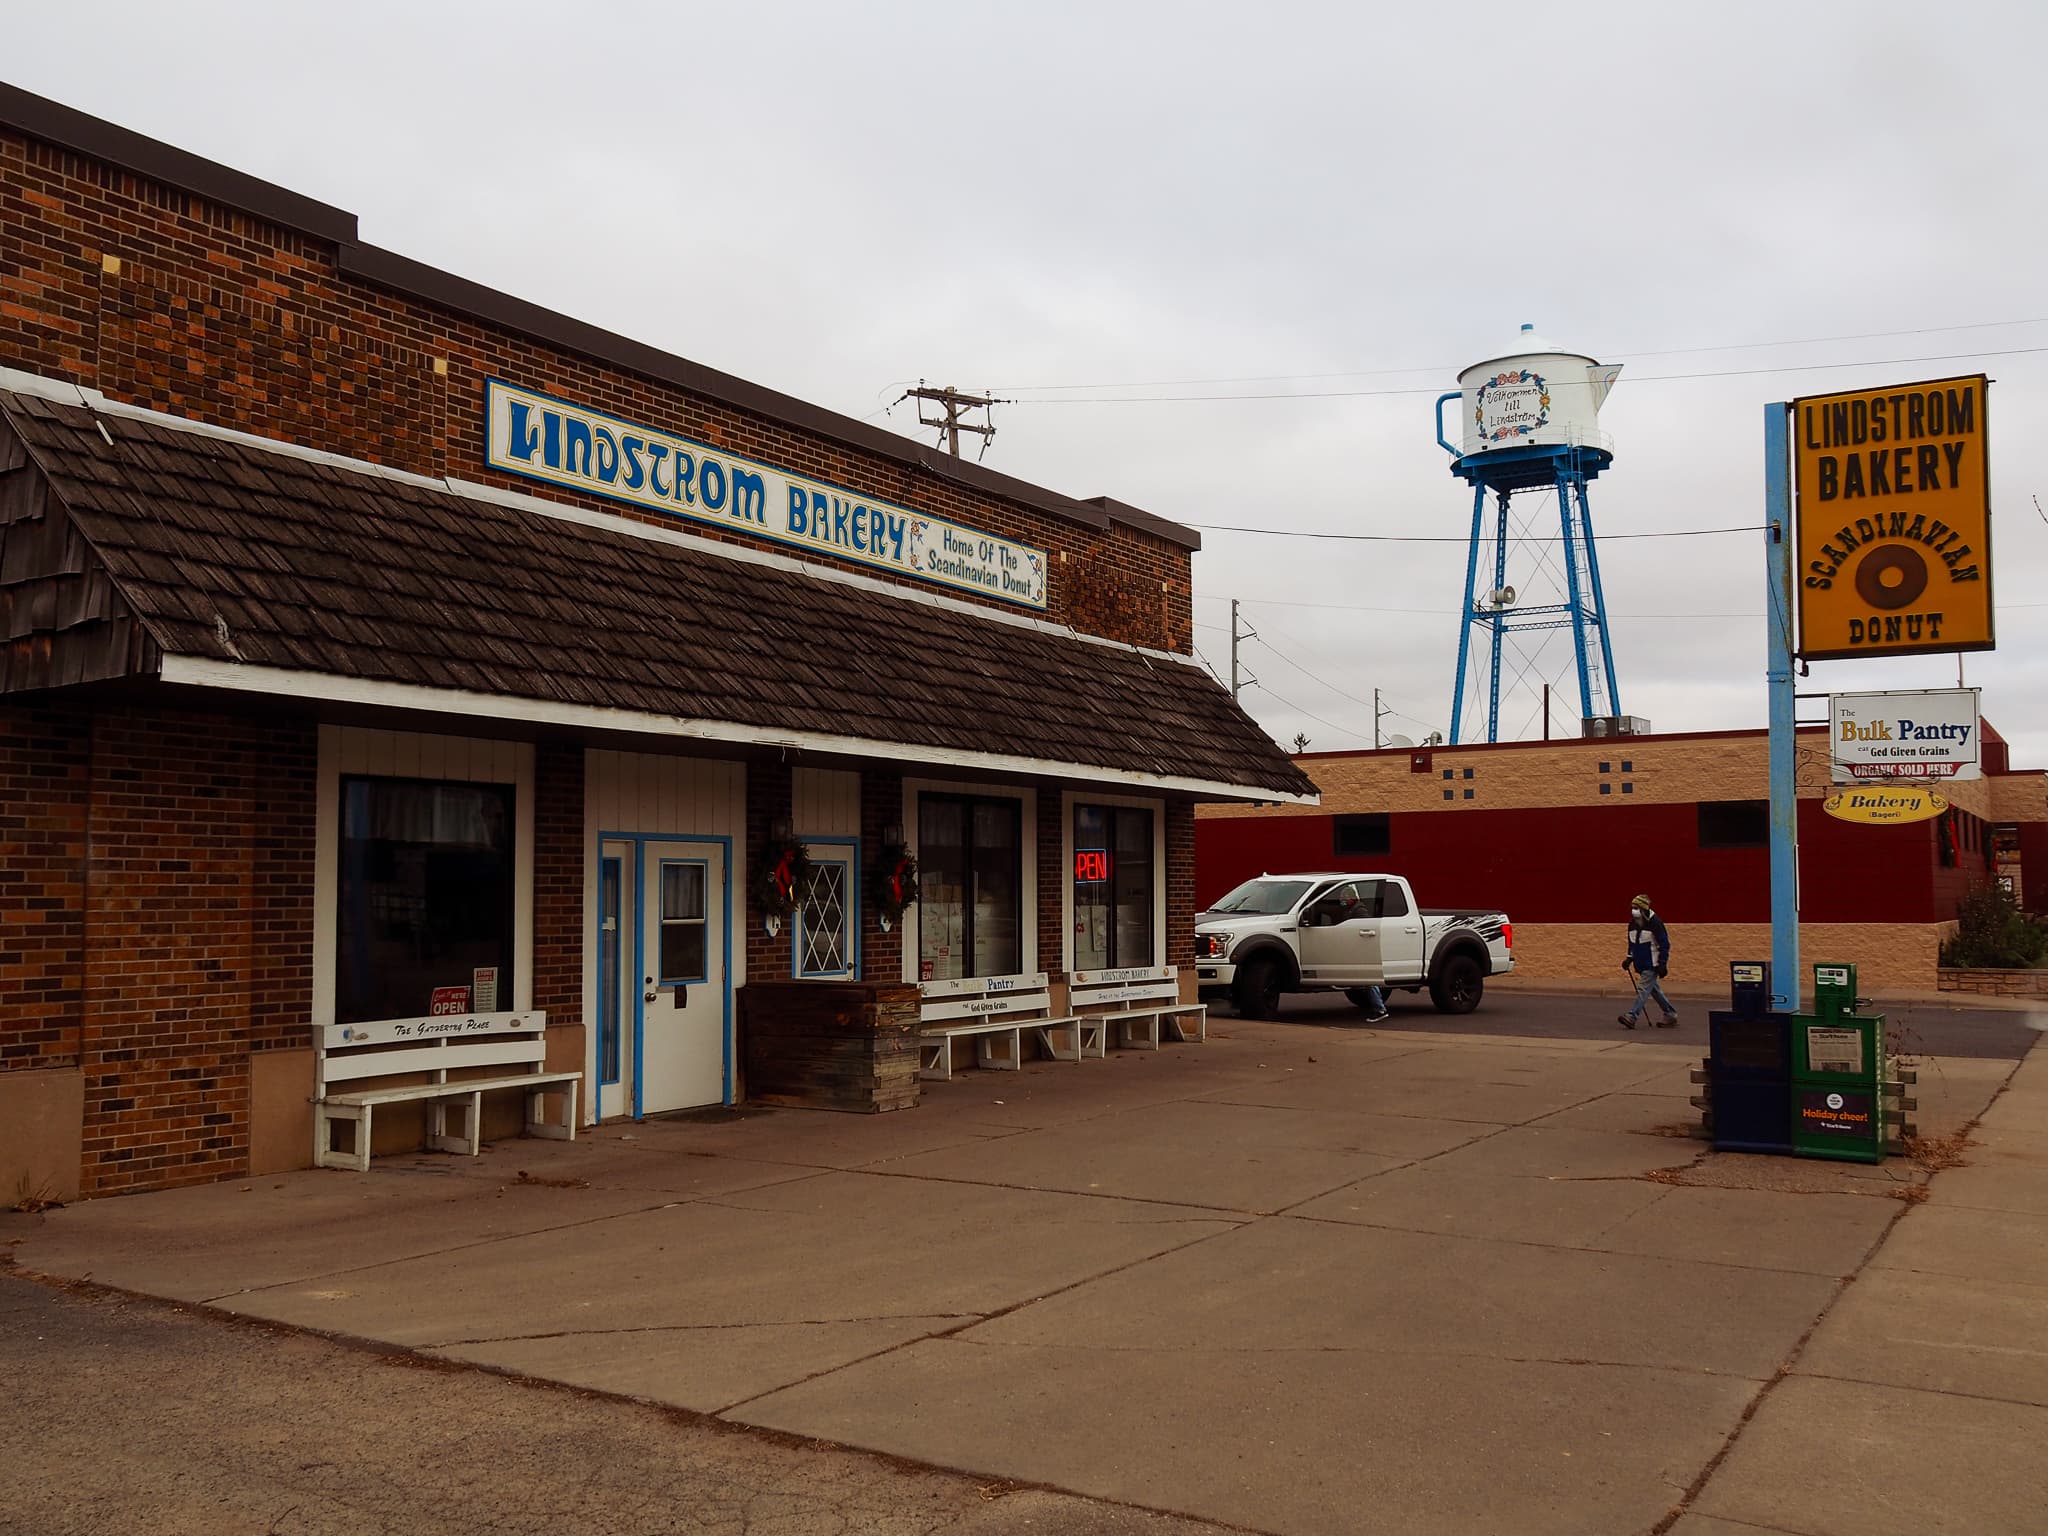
1090, 865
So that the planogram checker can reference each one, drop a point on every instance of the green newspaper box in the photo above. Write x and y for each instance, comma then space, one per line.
1838, 1073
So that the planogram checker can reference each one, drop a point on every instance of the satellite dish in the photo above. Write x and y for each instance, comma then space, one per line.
1399, 741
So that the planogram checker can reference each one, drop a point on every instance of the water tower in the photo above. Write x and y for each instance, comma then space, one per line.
1532, 424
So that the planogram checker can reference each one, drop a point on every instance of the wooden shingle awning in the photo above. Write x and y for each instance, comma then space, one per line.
135, 544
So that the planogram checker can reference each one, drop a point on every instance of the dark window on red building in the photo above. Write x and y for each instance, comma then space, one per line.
1735, 823
1355, 836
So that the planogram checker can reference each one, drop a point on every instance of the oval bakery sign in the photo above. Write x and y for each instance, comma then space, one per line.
1885, 807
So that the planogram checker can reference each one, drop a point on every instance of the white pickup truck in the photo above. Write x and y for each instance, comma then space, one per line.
1342, 932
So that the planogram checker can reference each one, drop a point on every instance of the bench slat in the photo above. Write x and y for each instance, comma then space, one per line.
470, 1026
339, 1068
1009, 1006
1125, 973
450, 1090
979, 1027
1023, 981
1096, 996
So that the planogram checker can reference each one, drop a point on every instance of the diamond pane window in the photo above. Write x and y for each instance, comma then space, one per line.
824, 938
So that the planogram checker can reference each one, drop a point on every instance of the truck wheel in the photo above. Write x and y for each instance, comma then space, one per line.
1458, 987
1257, 993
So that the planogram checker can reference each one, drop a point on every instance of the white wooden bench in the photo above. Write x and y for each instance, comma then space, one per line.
1137, 1001
444, 1062
997, 1012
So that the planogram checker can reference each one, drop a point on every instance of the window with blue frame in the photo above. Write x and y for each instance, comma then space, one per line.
824, 921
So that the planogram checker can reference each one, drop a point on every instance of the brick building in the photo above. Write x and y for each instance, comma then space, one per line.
375, 646
1562, 834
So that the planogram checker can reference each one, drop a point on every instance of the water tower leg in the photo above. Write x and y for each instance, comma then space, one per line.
1574, 599
1599, 598
1465, 617
1493, 616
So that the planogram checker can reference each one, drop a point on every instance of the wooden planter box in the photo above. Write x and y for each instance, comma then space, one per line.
830, 1044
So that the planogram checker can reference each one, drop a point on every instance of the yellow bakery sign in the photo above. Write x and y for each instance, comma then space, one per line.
1892, 806
1894, 520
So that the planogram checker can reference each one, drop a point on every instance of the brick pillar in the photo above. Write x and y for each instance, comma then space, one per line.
881, 805
559, 862
286, 791
768, 801
1052, 884
44, 755
169, 918
1180, 882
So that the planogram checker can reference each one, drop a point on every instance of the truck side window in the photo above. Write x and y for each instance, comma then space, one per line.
1393, 900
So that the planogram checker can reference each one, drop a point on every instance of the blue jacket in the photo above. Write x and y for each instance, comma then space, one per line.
1649, 946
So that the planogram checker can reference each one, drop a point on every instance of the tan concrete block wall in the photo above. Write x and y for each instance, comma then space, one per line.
1896, 956
2019, 797
1887, 955
1663, 771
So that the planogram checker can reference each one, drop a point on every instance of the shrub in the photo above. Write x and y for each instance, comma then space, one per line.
1991, 931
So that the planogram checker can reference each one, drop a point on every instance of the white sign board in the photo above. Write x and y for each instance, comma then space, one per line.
1926, 734
542, 438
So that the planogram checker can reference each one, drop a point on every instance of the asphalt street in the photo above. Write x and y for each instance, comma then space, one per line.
1917, 1028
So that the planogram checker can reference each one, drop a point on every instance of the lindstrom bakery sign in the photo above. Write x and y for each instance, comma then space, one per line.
1894, 520
543, 438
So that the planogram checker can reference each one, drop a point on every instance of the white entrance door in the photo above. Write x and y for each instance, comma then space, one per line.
682, 1005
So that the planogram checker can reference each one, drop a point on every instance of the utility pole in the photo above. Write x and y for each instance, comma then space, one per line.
1378, 715
953, 403
1248, 634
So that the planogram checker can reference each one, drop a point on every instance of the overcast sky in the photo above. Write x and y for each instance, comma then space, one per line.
1331, 208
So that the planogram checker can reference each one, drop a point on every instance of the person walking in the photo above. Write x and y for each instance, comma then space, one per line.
1649, 960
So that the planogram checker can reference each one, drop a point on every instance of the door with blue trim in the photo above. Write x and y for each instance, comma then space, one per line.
683, 1008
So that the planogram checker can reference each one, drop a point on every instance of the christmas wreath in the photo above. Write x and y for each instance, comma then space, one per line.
782, 873
892, 883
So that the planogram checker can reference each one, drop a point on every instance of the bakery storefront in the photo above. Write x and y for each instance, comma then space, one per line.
380, 653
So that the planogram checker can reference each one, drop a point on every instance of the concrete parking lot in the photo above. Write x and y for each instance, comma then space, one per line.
1306, 1277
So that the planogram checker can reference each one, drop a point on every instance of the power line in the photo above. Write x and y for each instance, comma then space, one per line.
1459, 538
1289, 602
1342, 730
1451, 369
1432, 389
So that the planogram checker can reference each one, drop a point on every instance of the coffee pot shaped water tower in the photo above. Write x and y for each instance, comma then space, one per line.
1530, 422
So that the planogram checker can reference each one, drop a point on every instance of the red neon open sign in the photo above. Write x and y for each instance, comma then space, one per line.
1090, 865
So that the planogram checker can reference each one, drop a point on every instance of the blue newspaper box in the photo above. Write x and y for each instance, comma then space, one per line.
1749, 1065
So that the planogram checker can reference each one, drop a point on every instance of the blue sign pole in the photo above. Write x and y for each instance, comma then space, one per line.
1784, 778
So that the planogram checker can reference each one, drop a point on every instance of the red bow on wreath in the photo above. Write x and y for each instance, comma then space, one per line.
892, 883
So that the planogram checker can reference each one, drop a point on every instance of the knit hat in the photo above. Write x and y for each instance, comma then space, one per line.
1644, 903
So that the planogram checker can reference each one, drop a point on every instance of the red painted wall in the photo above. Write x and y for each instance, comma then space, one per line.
1581, 864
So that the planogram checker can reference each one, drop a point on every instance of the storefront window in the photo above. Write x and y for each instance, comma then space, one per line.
425, 916
1113, 887
971, 887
